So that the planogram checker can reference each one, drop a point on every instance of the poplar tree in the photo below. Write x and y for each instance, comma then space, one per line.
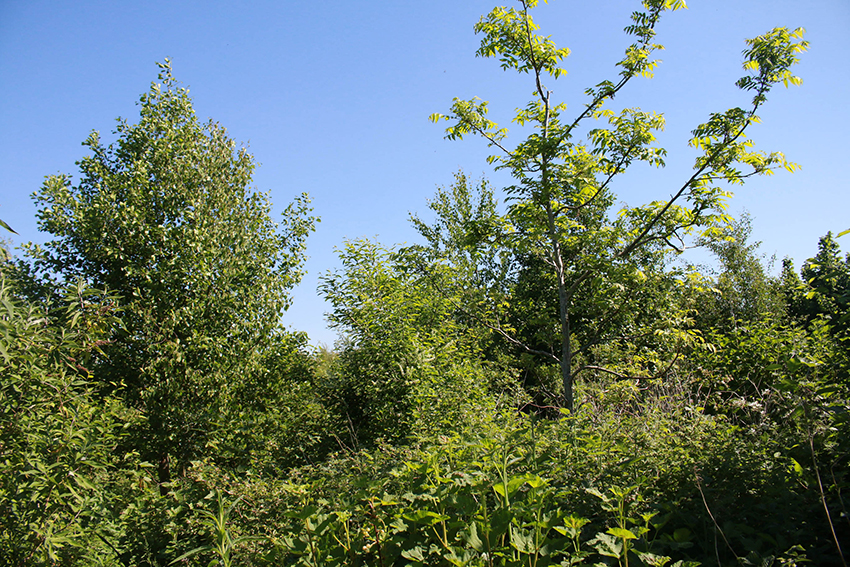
166, 218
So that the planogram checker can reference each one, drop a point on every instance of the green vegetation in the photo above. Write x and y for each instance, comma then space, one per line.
532, 384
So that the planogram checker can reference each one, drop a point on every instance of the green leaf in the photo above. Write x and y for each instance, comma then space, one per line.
472, 538
622, 533
194, 552
9, 228
523, 540
424, 517
414, 554
607, 545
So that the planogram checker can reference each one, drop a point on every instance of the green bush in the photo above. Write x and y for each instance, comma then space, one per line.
57, 436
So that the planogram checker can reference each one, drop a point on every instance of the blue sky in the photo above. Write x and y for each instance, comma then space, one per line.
333, 98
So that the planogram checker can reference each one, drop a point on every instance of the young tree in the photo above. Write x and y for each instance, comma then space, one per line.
743, 291
509, 299
825, 287
563, 190
408, 361
462, 257
165, 217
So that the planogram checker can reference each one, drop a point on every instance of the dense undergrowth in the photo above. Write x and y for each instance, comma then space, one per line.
704, 466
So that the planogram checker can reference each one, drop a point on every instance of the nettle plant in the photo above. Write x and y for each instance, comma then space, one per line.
488, 508
562, 198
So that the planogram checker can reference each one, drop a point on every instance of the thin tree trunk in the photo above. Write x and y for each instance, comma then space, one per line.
566, 346
164, 474
557, 259
563, 307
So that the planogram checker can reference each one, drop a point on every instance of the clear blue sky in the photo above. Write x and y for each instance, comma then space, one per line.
333, 98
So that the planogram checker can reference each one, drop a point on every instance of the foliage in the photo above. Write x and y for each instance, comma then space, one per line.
402, 363
165, 218
648, 481
57, 437
563, 187
464, 257
714, 431
224, 543
273, 419
826, 292
742, 291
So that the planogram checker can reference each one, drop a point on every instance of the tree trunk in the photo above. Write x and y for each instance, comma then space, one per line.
164, 474
563, 307
566, 345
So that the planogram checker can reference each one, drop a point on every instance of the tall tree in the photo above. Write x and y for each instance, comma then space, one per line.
563, 188
165, 217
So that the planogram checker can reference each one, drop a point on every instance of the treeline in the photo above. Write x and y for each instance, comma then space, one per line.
536, 382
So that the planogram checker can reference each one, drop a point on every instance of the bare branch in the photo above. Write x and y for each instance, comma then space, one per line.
619, 375
495, 328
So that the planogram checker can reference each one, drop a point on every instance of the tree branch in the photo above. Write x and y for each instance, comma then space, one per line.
427, 273
709, 162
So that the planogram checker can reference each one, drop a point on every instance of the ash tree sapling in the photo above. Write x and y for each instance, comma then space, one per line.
562, 195
166, 218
